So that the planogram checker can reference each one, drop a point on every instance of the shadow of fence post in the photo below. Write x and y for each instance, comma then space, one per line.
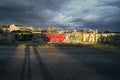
44, 70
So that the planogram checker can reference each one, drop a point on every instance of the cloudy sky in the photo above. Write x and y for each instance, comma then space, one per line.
72, 14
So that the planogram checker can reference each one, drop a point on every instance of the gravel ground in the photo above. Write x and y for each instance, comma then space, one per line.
13, 67
37, 63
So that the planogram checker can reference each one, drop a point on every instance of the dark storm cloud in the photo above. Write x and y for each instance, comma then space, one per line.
26, 11
101, 14
11, 11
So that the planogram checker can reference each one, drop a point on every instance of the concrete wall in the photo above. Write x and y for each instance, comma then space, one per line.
91, 37
78, 37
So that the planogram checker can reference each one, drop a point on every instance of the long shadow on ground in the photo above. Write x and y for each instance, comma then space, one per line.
26, 69
44, 70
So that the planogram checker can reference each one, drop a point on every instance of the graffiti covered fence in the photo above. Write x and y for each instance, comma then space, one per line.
69, 38
81, 37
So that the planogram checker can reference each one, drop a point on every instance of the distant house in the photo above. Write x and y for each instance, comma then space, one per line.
9, 28
12, 27
15, 27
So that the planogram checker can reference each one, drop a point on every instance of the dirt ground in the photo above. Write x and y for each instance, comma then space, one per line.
37, 63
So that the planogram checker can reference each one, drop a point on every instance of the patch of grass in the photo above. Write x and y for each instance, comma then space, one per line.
96, 45
61, 45
105, 45
11, 43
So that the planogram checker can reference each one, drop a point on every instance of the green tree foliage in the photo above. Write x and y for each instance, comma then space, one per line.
1, 31
17, 37
18, 31
23, 37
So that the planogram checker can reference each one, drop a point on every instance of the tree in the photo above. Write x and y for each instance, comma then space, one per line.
1, 31
106, 31
18, 31
17, 37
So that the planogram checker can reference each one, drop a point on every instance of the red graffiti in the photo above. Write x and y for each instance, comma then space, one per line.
54, 37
